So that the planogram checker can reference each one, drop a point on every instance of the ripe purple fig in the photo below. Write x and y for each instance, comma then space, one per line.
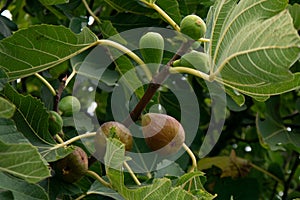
72, 167
162, 133
115, 130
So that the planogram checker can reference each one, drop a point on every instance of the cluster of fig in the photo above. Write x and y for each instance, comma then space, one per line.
162, 133
72, 167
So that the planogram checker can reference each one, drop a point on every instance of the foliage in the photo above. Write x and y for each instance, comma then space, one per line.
56, 48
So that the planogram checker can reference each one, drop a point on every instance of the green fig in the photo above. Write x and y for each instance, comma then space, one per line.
151, 46
162, 133
55, 122
115, 130
194, 59
72, 167
69, 105
193, 26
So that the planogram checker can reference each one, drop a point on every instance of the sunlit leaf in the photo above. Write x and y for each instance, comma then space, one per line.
53, 2
253, 45
41, 47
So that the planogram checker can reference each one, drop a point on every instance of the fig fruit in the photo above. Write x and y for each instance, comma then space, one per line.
69, 105
72, 167
115, 130
151, 46
193, 26
55, 122
194, 59
162, 133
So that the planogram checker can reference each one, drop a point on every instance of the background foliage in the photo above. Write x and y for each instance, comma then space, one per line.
257, 154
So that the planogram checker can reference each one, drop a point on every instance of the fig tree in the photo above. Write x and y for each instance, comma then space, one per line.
193, 26
72, 167
162, 133
69, 105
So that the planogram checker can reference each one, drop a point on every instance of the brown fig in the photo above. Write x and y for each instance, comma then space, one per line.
162, 133
115, 130
72, 167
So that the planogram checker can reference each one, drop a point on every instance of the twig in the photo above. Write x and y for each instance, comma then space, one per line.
192, 156
153, 87
59, 92
91, 12
265, 172
190, 71
136, 180
70, 141
48, 85
98, 178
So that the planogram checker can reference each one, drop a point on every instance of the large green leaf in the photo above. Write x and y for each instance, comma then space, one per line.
40, 47
31, 117
24, 161
21, 189
253, 44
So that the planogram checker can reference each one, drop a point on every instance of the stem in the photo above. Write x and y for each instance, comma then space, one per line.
165, 16
266, 172
70, 77
59, 139
136, 180
204, 40
190, 71
129, 53
153, 87
98, 178
90, 11
80, 197
78, 137
191, 154
48, 85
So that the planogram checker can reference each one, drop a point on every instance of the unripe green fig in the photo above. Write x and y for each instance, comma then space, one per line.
115, 130
194, 59
162, 133
69, 105
55, 122
193, 26
151, 46
72, 167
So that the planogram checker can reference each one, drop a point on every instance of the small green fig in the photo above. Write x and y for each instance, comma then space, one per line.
151, 46
194, 59
115, 130
55, 122
69, 105
162, 133
72, 167
193, 26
